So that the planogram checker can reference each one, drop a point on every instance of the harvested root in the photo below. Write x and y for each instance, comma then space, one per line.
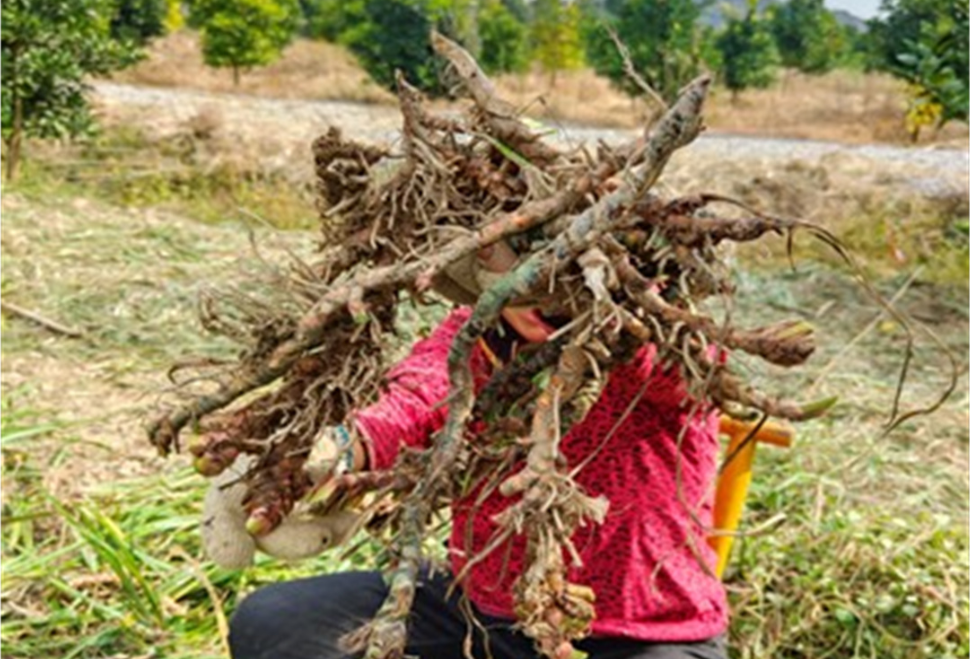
598, 249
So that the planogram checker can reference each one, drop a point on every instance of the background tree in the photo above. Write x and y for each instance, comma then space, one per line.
936, 66
899, 22
49, 49
555, 36
519, 8
504, 39
459, 18
139, 20
174, 16
241, 34
749, 57
390, 35
807, 35
663, 39
854, 51
328, 19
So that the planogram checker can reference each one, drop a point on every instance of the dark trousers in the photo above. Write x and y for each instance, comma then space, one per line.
305, 619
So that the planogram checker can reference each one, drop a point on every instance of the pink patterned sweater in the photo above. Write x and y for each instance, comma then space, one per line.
645, 563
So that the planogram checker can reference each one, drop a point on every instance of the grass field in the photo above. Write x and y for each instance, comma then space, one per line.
866, 546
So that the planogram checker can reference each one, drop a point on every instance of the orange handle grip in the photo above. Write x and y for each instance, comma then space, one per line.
769, 433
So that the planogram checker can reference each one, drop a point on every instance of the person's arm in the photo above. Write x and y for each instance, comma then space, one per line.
410, 410
412, 407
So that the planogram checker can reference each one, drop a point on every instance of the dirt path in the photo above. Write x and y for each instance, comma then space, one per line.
281, 130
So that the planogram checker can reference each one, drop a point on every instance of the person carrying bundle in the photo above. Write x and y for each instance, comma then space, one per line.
643, 447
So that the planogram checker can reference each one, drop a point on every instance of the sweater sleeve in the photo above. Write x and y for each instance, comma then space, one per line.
412, 408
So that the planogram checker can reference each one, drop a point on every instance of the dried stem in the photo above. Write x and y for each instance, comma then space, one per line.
499, 115
786, 344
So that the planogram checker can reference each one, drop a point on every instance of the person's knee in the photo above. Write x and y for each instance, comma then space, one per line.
304, 618
255, 625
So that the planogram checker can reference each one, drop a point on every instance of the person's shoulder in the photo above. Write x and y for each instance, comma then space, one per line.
461, 312
446, 329
455, 318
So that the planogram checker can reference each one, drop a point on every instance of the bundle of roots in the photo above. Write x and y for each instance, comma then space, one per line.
598, 247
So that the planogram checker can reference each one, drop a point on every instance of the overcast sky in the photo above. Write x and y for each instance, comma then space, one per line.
861, 8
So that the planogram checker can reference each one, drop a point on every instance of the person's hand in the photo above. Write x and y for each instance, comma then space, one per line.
493, 262
228, 543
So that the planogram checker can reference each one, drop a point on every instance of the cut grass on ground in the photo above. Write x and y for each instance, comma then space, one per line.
186, 172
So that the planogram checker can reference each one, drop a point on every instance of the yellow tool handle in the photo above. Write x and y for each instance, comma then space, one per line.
732, 486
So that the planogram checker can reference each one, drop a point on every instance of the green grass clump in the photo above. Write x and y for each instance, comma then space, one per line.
886, 236
183, 173
871, 557
117, 571
840, 579
931, 234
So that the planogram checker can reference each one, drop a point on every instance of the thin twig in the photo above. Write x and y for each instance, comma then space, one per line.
52, 325
838, 358
632, 72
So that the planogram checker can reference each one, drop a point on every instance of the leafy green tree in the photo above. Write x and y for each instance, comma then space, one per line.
555, 35
391, 35
174, 16
241, 34
50, 47
808, 36
663, 38
519, 8
460, 19
748, 53
328, 19
900, 22
936, 66
853, 54
504, 39
924, 42
139, 20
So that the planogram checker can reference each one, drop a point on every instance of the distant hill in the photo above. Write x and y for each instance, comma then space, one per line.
715, 14
845, 18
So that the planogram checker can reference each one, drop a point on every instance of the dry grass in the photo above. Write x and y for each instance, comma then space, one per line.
843, 106
578, 97
308, 69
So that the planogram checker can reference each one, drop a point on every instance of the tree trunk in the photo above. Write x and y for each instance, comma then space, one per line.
15, 139
17, 130
14, 142
235, 76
